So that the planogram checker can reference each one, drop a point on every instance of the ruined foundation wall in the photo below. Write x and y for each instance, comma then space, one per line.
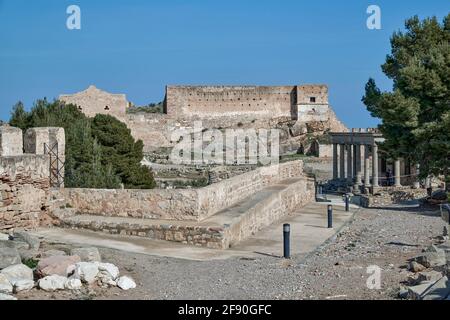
178, 204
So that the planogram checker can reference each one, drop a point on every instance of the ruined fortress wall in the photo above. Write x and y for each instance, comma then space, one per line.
93, 101
178, 204
24, 189
232, 101
25, 177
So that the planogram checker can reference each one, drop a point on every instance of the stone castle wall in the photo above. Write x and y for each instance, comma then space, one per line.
93, 101
25, 177
231, 101
217, 107
178, 204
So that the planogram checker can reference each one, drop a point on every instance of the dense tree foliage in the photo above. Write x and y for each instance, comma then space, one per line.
100, 151
416, 114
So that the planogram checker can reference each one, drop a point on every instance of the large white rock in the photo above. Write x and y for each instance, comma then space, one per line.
52, 283
17, 272
73, 284
5, 285
4, 237
23, 285
6, 297
126, 283
109, 269
86, 271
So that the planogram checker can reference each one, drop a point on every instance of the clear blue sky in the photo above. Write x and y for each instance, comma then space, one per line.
137, 47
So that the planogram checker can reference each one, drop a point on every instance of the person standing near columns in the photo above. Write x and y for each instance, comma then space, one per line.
335, 161
375, 166
342, 161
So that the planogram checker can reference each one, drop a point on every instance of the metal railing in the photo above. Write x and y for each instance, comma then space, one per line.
56, 165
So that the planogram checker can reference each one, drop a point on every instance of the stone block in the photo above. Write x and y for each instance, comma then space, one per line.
11, 141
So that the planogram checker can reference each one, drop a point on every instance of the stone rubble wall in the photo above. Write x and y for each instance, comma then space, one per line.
176, 204
392, 195
24, 191
25, 177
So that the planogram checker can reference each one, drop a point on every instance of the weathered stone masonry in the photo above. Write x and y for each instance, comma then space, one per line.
25, 178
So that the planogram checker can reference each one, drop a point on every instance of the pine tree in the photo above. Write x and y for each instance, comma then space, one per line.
416, 114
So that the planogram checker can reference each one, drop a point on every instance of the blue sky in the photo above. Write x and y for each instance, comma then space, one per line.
137, 47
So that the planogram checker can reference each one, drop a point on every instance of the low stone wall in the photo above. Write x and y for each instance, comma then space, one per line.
178, 204
270, 210
388, 196
24, 191
287, 196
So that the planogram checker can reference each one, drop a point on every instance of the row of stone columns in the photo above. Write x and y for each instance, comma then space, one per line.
354, 166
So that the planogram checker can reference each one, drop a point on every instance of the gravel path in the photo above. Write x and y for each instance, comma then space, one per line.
386, 238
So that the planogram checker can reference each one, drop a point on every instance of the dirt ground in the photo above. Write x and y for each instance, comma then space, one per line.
386, 238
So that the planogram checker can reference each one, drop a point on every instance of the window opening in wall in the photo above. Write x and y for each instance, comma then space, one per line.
107, 108
312, 99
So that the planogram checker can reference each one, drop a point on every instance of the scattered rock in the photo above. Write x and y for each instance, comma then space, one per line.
52, 253
56, 265
432, 259
433, 248
4, 237
126, 283
5, 285
403, 293
19, 245
109, 269
417, 292
87, 254
439, 290
6, 297
445, 232
28, 254
9, 257
17, 272
415, 266
86, 272
52, 283
432, 276
23, 285
73, 284
32, 241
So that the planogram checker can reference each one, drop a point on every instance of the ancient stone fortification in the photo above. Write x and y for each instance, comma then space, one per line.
288, 108
190, 204
25, 177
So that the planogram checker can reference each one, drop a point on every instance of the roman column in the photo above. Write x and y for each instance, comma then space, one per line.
349, 164
375, 166
366, 166
357, 161
335, 161
397, 173
342, 161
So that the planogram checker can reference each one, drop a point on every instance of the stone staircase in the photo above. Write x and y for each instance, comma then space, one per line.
219, 231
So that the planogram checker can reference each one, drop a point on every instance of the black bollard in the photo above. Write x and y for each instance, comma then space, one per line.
330, 216
347, 202
287, 241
